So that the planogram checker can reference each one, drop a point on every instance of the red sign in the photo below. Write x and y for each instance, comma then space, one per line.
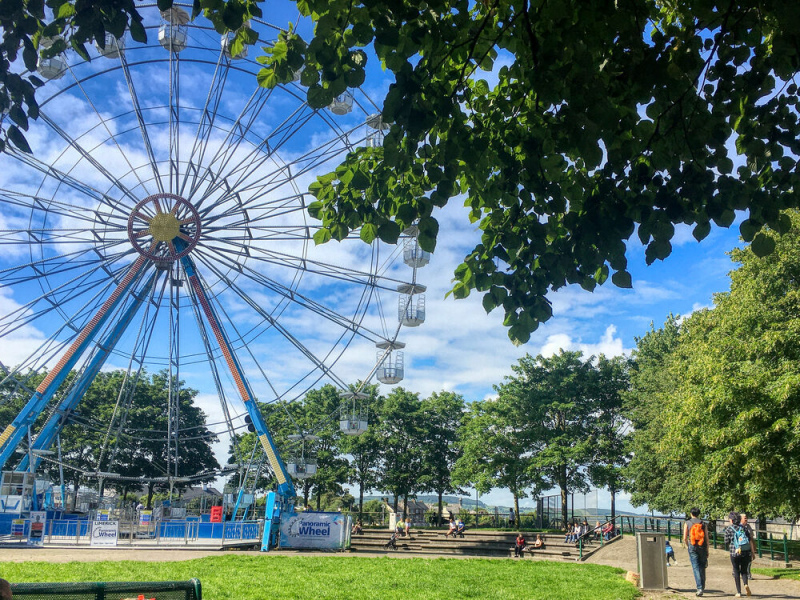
216, 514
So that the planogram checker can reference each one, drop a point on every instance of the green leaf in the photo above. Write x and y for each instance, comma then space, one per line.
16, 137
762, 245
701, 230
138, 32
164, 4
622, 279
319, 97
322, 236
368, 232
749, 229
266, 78
389, 232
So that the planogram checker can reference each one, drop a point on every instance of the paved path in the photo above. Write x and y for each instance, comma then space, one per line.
719, 578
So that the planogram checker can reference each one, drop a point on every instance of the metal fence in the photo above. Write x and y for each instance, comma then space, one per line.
185, 532
774, 546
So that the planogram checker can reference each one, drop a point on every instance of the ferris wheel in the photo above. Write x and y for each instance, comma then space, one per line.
161, 224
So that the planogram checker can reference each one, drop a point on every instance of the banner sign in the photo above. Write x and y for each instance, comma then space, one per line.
103, 515
36, 534
104, 533
314, 530
145, 517
18, 527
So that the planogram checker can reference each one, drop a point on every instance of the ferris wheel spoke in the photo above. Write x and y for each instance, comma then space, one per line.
138, 354
205, 128
64, 178
257, 157
270, 180
59, 264
32, 203
229, 146
111, 135
212, 361
44, 236
52, 299
75, 145
294, 297
137, 109
318, 364
174, 120
317, 267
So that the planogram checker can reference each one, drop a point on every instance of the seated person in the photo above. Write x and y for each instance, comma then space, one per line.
519, 546
607, 530
392, 543
460, 527
407, 528
539, 543
357, 529
452, 528
597, 531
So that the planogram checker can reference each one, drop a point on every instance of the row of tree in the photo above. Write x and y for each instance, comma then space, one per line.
555, 422
706, 411
121, 426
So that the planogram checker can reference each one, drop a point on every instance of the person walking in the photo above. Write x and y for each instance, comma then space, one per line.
695, 538
747, 526
740, 543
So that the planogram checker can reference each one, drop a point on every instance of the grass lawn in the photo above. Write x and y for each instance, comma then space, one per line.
779, 573
234, 577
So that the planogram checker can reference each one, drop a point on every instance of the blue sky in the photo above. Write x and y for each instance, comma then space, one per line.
459, 348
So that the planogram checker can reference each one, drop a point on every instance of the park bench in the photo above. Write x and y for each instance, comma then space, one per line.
110, 590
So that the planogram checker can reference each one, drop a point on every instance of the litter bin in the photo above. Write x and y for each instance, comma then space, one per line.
651, 554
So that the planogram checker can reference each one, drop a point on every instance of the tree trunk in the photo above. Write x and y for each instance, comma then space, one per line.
75, 488
613, 504
516, 511
360, 501
405, 506
150, 490
564, 496
394, 504
439, 516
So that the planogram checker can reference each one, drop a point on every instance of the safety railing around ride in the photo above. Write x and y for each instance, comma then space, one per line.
772, 545
73, 531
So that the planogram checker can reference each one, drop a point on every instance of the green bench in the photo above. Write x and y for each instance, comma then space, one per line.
111, 590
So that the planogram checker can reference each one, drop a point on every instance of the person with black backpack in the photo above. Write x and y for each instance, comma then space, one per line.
740, 542
695, 538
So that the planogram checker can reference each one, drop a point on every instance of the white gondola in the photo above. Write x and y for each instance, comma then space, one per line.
113, 46
342, 104
374, 138
413, 255
300, 468
390, 370
299, 465
172, 34
411, 304
411, 310
54, 67
352, 418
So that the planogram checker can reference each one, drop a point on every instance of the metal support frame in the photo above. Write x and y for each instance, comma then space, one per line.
58, 419
15, 432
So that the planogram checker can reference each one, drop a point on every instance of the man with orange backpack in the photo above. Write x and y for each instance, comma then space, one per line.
695, 537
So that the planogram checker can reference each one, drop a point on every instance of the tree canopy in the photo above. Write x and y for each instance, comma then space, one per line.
564, 126
726, 410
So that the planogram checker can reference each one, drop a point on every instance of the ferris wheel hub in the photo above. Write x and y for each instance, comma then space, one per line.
164, 228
